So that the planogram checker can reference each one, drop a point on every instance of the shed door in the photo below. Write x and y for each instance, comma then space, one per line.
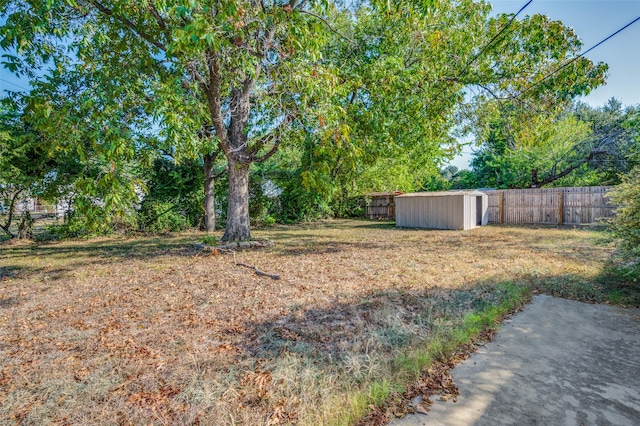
479, 210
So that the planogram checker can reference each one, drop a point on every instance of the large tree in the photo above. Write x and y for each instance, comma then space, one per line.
215, 76
400, 90
24, 163
31, 166
519, 113
395, 101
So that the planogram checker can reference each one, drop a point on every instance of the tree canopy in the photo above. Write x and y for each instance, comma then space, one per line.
583, 146
356, 99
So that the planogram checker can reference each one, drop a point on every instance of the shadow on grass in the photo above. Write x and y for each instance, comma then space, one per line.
78, 252
618, 284
18, 271
338, 224
314, 247
377, 224
393, 336
397, 319
10, 301
383, 322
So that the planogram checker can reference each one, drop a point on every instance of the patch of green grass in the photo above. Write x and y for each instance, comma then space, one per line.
615, 297
620, 283
358, 403
441, 346
210, 240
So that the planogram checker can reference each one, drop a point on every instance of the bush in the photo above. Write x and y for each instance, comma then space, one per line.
74, 226
210, 240
626, 223
174, 199
297, 204
346, 206
269, 220
158, 217
78, 226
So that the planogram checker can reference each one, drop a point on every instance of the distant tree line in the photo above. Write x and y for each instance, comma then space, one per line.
582, 146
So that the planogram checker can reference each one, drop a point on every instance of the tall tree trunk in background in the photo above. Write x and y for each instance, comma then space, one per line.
237, 228
209, 195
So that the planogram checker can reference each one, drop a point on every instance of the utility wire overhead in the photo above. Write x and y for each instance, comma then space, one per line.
485, 47
577, 57
494, 38
14, 84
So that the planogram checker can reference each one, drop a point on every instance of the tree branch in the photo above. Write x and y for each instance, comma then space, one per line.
555, 177
275, 136
105, 10
331, 28
161, 22
9, 220
353, 97
249, 83
270, 153
213, 94
191, 67
220, 173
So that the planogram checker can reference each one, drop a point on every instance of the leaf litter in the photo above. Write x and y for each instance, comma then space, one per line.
147, 330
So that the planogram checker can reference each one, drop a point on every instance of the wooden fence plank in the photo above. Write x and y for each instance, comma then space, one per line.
570, 206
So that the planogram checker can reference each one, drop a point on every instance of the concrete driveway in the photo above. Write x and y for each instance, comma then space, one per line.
558, 362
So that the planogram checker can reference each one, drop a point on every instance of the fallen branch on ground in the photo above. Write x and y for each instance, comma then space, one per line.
216, 250
258, 271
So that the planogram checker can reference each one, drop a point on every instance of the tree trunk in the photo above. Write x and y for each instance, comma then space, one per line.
237, 228
209, 195
10, 210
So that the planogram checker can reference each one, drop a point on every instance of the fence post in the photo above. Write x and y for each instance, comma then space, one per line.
501, 208
560, 206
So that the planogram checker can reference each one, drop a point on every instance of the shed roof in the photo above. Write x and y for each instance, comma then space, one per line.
441, 194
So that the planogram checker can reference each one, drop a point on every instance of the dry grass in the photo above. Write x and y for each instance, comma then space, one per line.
147, 330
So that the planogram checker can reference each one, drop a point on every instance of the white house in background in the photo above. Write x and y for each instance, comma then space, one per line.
37, 208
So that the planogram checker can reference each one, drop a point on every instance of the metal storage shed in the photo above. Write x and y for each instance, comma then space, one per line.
442, 210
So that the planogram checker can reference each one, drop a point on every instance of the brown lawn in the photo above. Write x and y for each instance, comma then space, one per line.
151, 331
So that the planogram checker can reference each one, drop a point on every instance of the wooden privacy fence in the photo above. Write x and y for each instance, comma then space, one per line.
560, 206
381, 205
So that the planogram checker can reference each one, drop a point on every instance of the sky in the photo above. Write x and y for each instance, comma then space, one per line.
592, 21
9, 82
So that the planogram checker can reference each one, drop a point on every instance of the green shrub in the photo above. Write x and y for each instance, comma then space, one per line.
174, 197
74, 226
626, 223
210, 240
346, 206
297, 204
159, 217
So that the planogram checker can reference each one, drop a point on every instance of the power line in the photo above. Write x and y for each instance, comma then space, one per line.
494, 38
14, 84
577, 57
484, 48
